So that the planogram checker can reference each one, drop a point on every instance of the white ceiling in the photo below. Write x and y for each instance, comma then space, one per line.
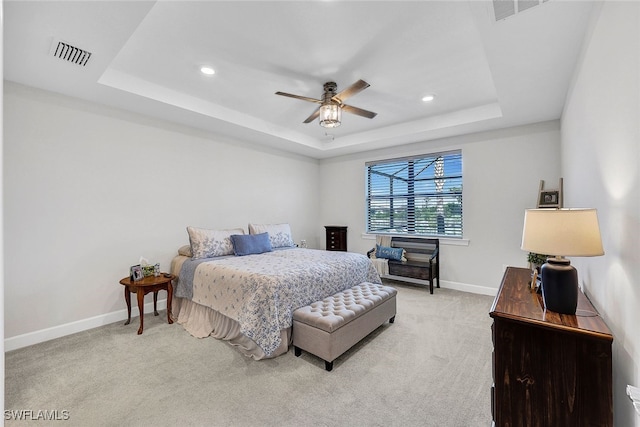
146, 58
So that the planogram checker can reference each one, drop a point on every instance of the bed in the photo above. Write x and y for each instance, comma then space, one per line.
249, 300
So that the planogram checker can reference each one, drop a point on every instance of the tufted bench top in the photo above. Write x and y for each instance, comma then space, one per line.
336, 311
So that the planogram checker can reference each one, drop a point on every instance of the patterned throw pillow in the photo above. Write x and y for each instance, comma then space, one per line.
279, 234
389, 253
211, 243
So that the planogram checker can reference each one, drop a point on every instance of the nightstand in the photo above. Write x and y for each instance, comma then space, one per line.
143, 287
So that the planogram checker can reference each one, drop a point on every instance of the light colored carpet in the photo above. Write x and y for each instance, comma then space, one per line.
432, 367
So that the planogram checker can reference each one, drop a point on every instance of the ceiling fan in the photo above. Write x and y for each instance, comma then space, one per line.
331, 105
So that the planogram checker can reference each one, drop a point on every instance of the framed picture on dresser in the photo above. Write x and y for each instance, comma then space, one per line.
549, 199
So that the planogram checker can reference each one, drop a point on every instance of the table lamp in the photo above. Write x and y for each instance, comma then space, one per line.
561, 232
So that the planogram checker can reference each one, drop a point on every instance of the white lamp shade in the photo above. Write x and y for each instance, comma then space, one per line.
562, 232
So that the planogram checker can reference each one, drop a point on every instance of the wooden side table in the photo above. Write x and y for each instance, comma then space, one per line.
143, 287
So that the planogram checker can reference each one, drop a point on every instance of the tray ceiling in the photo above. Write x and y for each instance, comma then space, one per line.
146, 57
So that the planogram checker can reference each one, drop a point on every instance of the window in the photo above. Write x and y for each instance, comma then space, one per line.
419, 195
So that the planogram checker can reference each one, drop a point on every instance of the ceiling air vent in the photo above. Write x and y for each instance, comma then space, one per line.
67, 52
503, 9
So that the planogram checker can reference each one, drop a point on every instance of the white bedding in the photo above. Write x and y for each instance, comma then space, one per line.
260, 292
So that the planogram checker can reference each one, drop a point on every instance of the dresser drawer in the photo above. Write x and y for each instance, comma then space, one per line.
336, 237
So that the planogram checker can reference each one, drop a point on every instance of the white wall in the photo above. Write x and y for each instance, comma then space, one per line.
501, 176
88, 190
601, 156
2, 322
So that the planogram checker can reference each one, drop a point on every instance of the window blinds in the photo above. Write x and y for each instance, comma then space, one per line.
416, 195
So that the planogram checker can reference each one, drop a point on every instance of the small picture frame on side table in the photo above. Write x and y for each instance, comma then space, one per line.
135, 273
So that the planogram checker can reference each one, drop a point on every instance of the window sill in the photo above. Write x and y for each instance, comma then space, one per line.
443, 240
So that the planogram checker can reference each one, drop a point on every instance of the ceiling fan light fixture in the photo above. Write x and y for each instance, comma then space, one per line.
330, 115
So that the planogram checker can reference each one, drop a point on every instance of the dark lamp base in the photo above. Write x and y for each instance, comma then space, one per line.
559, 286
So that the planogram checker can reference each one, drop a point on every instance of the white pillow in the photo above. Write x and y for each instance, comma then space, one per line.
185, 250
279, 234
211, 243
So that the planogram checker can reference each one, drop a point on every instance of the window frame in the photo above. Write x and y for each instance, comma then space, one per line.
434, 190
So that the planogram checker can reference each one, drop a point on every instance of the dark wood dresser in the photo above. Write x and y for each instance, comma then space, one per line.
336, 237
549, 369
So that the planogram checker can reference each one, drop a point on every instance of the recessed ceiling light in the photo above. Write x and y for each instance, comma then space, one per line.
208, 71
428, 98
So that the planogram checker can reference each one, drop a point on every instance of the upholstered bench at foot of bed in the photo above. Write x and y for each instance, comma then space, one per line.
332, 326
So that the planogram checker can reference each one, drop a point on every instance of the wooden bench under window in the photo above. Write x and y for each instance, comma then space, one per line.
422, 265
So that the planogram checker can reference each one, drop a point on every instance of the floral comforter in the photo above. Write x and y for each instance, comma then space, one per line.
262, 291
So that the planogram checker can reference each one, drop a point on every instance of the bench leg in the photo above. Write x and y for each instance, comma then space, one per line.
431, 286
298, 351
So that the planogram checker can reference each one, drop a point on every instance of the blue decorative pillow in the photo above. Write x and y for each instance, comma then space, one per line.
248, 244
389, 253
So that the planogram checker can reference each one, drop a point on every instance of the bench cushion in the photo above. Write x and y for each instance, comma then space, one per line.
333, 312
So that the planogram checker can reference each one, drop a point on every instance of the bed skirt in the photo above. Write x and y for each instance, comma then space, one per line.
201, 322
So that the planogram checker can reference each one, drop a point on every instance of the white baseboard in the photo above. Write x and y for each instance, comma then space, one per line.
43, 335
464, 287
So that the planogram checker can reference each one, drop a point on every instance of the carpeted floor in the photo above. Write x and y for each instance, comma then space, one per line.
432, 367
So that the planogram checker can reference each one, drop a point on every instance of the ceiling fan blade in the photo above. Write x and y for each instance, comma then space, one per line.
313, 116
359, 111
355, 88
304, 98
